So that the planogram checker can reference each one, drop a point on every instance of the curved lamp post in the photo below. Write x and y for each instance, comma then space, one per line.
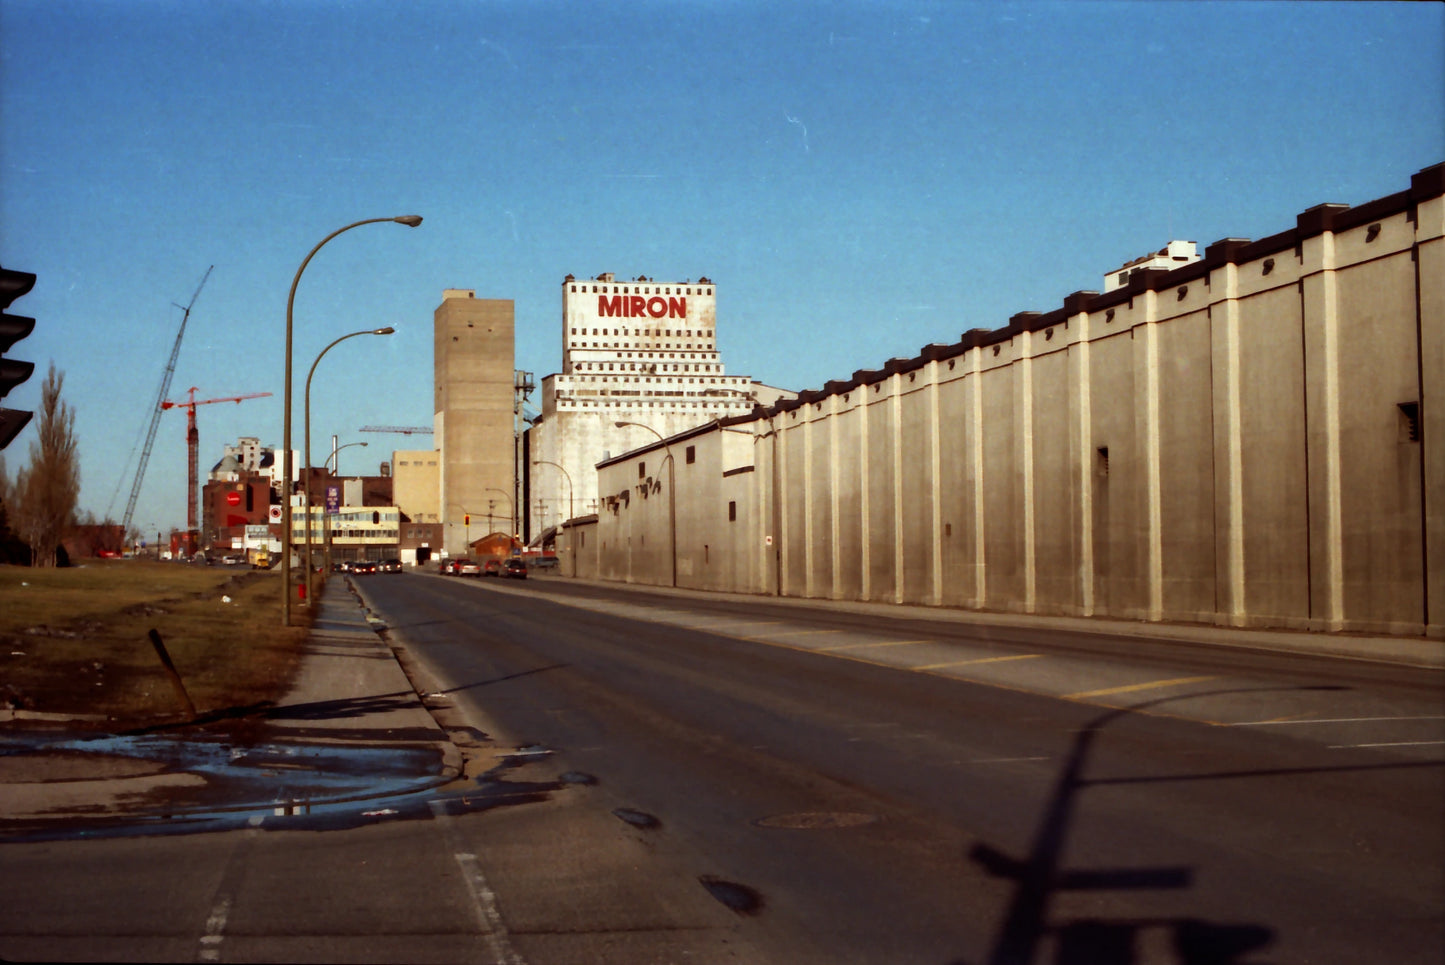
326, 467
411, 221
511, 509
306, 418
671, 490
571, 510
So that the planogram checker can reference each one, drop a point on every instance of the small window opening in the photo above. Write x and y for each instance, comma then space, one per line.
1409, 421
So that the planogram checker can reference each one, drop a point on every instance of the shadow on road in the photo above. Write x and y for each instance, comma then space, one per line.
475, 685
1038, 877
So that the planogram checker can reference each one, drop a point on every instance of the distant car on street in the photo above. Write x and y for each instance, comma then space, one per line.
390, 566
515, 569
469, 568
363, 566
545, 563
492, 568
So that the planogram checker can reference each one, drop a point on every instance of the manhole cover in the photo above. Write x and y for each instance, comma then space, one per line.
816, 820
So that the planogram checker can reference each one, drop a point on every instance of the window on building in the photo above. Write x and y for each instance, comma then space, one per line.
732, 511
691, 455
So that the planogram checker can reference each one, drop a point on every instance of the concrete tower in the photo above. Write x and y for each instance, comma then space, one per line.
473, 358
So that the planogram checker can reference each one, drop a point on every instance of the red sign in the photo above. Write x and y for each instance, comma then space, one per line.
233, 499
639, 306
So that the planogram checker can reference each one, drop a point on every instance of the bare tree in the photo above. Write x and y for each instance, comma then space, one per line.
45, 492
12, 547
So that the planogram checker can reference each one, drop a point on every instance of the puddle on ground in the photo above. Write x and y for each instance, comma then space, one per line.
268, 785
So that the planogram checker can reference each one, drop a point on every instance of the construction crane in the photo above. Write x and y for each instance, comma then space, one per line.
404, 430
157, 407
193, 441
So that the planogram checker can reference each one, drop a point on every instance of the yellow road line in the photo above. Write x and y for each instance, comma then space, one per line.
968, 663
794, 633
1083, 695
864, 646
1289, 719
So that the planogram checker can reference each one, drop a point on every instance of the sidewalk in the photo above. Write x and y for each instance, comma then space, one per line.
1424, 653
350, 728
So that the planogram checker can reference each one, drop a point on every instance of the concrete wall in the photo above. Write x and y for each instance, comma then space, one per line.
1244, 441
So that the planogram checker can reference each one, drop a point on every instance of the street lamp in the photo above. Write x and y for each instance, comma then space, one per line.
326, 468
671, 489
513, 516
411, 221
571, 513
306, 409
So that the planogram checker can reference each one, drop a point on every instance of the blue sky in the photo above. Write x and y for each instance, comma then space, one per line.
859, 179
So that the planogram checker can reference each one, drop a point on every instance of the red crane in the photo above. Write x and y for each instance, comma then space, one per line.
193, 440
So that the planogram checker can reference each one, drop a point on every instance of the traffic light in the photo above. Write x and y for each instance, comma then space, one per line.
13, 328
466, 519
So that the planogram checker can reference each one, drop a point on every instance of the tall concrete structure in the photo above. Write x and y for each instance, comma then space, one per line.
638, 351
472, 357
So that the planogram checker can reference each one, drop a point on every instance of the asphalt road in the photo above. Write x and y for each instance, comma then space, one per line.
910, 790
684, 778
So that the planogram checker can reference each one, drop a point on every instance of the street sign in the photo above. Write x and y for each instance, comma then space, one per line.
233, 499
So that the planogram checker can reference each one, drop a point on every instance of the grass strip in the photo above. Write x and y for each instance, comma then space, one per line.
75, 640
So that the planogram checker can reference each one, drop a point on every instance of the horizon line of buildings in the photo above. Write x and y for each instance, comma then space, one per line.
640, 361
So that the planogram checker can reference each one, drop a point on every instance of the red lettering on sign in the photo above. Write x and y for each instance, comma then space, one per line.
636, 306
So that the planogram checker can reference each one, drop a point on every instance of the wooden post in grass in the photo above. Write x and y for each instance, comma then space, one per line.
171, 672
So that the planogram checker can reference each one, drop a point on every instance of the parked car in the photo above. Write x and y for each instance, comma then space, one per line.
515, 569
492, 568
545, 563
469, 568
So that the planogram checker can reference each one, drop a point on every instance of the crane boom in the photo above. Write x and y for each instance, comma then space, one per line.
404, 430
156, 409
193, 439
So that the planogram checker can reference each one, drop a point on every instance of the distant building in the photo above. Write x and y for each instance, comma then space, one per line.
416, 484
1176, 254
472, 358
238, 495
640, 351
